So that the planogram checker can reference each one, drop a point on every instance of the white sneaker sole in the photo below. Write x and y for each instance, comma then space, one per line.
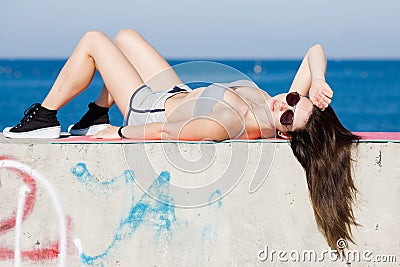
94, 129
48, 132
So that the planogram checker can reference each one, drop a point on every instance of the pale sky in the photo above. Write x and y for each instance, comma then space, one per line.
253, 29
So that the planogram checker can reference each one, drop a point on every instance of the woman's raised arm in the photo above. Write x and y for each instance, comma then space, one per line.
310, 78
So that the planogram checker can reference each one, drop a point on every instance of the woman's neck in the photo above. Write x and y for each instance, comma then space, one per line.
265, 121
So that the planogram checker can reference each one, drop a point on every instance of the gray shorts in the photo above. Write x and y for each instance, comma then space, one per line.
147, 106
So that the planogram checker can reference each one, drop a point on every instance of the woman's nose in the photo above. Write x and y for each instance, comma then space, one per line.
283, 105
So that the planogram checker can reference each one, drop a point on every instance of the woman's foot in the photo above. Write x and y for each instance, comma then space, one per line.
38, 122
95, 119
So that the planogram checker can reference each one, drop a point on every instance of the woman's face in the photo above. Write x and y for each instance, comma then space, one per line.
278, 106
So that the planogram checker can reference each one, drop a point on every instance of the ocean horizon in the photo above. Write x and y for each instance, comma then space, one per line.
366, 91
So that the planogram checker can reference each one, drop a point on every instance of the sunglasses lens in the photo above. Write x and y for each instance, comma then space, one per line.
292, 99
287, 117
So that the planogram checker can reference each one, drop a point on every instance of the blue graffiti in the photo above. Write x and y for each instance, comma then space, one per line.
215, 196
208, 233
155, 209
94, 185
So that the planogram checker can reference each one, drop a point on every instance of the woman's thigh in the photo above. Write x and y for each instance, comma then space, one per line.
120, 77
151, 66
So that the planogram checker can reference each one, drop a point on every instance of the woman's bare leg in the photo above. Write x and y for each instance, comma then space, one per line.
151, 66
95, 51
104, 99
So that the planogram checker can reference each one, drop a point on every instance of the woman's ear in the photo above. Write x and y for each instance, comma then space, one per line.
282, 135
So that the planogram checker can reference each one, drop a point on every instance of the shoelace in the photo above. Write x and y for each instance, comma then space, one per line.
28, 114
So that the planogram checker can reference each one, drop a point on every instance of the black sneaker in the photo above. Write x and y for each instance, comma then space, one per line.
38, 122
95, 120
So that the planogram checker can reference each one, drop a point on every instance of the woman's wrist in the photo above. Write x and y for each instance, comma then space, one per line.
120, 132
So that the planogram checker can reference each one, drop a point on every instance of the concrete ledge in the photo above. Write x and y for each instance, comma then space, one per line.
84, 205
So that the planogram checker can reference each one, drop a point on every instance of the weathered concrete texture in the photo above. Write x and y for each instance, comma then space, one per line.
84, 205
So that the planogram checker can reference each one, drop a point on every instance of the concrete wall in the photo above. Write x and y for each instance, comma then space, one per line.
84, 205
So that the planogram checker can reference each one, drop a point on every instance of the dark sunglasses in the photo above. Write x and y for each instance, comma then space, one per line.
288, 116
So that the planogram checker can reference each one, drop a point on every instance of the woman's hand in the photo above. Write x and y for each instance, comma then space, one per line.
320, 93
111, 132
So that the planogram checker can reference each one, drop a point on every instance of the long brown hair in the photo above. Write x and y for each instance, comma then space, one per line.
324, 148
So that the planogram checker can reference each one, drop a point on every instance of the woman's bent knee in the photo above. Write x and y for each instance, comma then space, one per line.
93, 36
125, 36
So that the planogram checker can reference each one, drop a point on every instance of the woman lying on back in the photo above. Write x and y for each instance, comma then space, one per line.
157, 105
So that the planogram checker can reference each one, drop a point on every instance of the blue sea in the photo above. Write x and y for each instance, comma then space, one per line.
366, 92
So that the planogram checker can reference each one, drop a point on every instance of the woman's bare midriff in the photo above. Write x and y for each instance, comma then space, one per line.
180, 107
